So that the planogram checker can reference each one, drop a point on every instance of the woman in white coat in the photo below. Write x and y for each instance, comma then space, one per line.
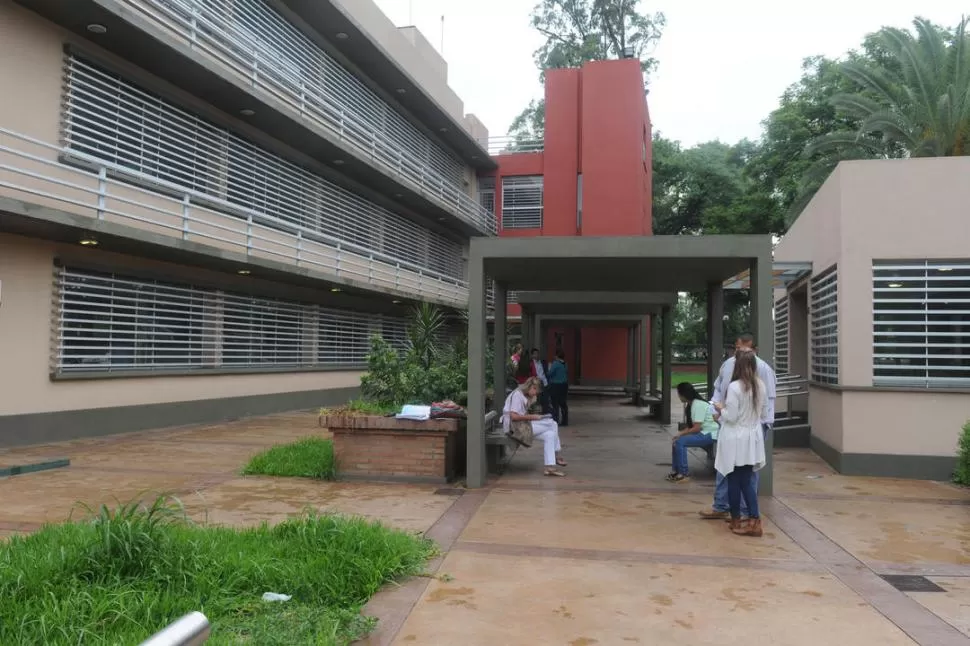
741, 442
544, 428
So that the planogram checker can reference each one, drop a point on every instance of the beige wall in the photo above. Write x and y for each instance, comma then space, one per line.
825, 416
893, 423
882, 210
26, 290
893, 209
368, 17
31, 64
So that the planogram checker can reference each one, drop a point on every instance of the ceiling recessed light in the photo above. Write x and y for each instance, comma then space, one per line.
945, 269
894, 285
396, 302
401, 90
342, 35
441, 219
399, 195
443, 129
335, 290
247, 112
88, 241
474, 156
244, 272
96, 28
338, 162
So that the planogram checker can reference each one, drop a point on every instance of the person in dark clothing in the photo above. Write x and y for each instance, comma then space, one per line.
558, 376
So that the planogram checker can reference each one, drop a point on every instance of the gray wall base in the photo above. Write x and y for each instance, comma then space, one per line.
793, 437
39, 428
915, 467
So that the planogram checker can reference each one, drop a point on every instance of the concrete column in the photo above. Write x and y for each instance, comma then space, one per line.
527, 329
501, 357
477, 470
537, 340
715, 333
643, 350
666, 342
654, 352
762, 325
631, 356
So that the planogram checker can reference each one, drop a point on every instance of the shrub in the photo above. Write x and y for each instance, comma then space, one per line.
962, 473
427, 370
310, 457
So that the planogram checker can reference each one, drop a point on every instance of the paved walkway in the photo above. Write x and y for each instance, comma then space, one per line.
610, 555
615, 555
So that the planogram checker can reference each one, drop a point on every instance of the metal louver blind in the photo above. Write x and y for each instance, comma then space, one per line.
921, 323
825, 327
106, 322
522, 202
112, 120
781, 336
257, 36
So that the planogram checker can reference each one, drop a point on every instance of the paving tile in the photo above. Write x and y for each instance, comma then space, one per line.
657, 523
898, 532
953, 606
249, 501
493, 599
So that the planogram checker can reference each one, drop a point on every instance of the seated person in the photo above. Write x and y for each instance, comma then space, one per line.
699, 430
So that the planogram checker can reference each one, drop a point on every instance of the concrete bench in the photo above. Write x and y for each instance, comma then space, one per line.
497, 443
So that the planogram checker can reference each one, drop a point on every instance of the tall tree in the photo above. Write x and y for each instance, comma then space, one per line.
910, 97
579, 31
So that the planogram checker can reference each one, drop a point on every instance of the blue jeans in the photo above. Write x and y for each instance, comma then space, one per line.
721, 501
678, 454
741, 487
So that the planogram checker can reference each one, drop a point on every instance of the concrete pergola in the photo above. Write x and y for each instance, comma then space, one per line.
630, 310
591, 275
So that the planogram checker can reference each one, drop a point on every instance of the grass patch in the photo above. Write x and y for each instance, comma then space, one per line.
310, 457
689, 377
129, 572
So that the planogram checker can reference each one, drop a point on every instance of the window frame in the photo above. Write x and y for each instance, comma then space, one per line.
523, 187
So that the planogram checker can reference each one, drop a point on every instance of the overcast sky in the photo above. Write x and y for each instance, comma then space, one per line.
722, 65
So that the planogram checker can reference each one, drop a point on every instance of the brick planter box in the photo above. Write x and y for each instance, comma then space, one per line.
385, 448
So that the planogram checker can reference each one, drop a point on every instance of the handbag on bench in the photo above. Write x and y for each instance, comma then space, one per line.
521, 432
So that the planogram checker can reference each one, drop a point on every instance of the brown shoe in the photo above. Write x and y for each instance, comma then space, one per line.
751, 528
744, 519
713, 514
736, 524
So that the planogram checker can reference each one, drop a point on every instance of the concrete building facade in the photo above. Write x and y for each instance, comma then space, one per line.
207, 207
880, 320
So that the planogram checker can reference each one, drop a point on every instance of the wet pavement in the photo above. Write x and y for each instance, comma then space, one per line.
611, 554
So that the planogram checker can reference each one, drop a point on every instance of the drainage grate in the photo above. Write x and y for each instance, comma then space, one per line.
449, 491
911, 583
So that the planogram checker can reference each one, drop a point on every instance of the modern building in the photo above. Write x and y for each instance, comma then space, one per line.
876, 314
589, 176
207, 207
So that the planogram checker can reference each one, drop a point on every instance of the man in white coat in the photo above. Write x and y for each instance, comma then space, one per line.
721, 509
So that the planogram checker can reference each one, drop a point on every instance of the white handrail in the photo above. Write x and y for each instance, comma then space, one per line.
110, 191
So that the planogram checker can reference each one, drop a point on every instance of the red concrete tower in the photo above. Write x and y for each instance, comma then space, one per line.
594, 170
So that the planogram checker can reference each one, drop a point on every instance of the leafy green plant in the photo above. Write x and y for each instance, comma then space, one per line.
310, 457
962, 473
127, 572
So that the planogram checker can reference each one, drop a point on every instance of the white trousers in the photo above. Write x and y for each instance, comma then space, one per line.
547, 430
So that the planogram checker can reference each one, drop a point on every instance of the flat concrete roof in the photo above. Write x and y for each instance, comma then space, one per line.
617, 264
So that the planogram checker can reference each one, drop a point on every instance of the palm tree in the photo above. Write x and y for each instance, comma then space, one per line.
425, 330
912, 99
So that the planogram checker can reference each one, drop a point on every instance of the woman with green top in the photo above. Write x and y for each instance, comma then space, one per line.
699, 430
